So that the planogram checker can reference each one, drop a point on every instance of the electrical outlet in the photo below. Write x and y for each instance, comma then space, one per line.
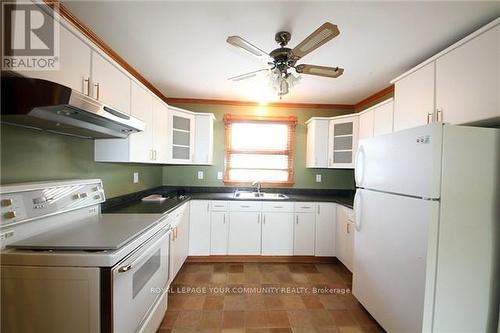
318, 178
136, 177
200, 174
219, 175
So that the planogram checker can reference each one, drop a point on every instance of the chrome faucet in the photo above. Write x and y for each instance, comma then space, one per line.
258, 185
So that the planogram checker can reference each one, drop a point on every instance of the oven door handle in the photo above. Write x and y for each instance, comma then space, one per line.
165, 233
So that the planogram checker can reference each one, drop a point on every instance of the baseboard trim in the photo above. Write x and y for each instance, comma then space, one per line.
262, 259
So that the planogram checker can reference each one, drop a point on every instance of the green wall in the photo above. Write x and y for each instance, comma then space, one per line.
304, 178
30, 155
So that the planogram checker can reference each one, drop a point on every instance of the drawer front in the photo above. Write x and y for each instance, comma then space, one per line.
277, 207
219, 206
305, 207
245, 206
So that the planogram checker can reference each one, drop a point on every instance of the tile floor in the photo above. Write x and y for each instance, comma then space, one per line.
264, 297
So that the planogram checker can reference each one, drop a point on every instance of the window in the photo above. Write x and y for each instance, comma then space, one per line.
259, 149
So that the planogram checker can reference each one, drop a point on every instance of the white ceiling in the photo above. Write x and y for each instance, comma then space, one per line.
180, 46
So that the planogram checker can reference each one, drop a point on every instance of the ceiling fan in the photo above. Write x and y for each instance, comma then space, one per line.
283, 59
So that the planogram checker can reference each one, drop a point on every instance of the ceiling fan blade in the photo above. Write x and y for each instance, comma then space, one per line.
247, 75
249, 47
333, 72
320, 36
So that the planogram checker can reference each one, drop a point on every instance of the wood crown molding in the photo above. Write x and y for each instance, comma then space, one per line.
374, 97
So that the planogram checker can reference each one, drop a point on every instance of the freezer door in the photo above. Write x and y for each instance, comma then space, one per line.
394, 258
406, 162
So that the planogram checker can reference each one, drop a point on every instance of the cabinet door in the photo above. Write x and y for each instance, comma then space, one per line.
74, 63
383, 118
244, 233
141, 108
219, 233
109, 84
317, 144
468, 80
199, 228
366, 125
341, 234
175, 249
160, 126
203, 139
303, 244
277, 234
414, 99
183, 232
349, 253
182, 137
343, 142
325, 229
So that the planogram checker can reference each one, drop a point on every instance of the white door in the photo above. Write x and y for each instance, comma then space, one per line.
183, 232
414, 99
468, 80
109, 84
141, 108
161, 137
343, 142
366, 124
325, 229
277, 233
219, 233
203, 139
341, 235
182, 137
74, 63
199, 228
383, 118
406, 162
391, 257
304, 232
244, 233
317, 143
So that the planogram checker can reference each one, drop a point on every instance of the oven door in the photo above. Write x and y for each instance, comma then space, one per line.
139, 281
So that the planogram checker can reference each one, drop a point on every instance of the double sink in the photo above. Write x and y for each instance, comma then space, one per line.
259, 195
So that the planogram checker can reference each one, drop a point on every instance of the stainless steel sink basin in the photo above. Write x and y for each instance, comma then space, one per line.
259, 195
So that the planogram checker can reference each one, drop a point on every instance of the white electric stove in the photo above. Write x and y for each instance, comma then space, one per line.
68, 268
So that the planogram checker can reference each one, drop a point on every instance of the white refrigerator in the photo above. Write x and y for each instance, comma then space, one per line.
427, 217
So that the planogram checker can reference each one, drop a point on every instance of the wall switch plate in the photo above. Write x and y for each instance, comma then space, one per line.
200, 174
318, 178
136, 177
219, 175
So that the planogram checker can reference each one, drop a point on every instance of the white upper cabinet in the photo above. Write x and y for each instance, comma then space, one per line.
317, 143
204, 138
383, 118
161, 137
468, 80
109, 84
182, 134
366, 124
343, 142
414, 99
74, 63
141, 142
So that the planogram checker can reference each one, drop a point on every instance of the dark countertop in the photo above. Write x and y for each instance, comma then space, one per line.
131, 204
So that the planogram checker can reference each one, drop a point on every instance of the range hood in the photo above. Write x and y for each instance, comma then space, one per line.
50, 106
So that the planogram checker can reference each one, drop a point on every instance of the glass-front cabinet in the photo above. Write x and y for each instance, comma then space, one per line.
182, 150
343, 142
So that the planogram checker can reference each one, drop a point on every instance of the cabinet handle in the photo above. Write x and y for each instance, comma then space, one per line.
439, 114
96, 87
347, 228
296, 219
155, 152
277, 206
224, 218
86, 86
244, 206
429, 117
263, 219
319, 210
208, 207
258, 219
305, 207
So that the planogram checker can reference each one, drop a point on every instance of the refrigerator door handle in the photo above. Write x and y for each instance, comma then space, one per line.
358, 171
357, 203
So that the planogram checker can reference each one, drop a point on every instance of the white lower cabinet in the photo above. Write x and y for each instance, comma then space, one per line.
304, 234
277, 233
326, 222
345, 236
219, 232
179, 241
244, 233
199, 228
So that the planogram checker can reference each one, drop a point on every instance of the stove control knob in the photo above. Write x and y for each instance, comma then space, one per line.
10, 215
76, 196
6, 202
